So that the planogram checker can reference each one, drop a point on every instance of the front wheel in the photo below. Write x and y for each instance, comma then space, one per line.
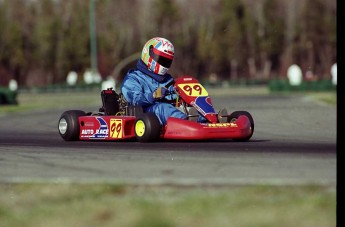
235, 115
69, 124
147, 128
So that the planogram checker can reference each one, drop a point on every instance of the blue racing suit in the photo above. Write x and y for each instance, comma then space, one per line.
138, 87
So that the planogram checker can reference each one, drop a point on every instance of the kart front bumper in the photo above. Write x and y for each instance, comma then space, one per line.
189, 130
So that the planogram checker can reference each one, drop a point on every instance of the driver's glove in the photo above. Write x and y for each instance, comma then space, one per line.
160, 92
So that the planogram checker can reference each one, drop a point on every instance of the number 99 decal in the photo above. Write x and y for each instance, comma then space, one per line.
193, 89
116, 128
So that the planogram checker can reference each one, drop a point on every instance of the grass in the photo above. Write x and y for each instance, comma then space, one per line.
39, 101
34, 204
325, 97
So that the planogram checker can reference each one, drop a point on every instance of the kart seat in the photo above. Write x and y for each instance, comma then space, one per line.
110, 102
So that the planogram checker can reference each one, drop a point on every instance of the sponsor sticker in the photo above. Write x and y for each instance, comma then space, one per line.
87, 132
103, 131
221, 125
193, 89
116, 128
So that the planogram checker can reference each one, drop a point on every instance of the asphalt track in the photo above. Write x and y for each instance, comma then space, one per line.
294, 143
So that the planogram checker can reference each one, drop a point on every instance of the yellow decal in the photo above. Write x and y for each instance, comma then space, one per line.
116, 128
220, 125
193, 89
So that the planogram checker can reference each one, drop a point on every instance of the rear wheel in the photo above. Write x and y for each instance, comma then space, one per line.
235, 115
69, 124
147, 128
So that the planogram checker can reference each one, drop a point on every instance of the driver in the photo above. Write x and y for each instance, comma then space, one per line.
149, 82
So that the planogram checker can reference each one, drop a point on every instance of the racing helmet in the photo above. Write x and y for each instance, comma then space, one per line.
157, 55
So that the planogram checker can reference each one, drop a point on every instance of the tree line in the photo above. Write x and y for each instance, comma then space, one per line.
42, 40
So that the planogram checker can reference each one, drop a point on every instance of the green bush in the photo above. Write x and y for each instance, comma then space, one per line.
7, 96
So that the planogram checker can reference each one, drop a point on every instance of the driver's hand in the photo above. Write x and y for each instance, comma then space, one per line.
160, 92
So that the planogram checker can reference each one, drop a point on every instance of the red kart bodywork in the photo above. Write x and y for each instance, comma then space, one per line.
189, 130
192, 92
122, 127
106, 127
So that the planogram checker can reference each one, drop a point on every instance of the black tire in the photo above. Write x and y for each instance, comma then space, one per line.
236, 115
68, 124
147, 128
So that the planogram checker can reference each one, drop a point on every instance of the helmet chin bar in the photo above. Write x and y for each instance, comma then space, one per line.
157, 68
162, 70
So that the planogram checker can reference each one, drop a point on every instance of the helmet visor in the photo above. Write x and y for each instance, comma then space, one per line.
162, 58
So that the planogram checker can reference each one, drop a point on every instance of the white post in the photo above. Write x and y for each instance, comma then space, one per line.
295, 75
334, 74
13, 85
72, 78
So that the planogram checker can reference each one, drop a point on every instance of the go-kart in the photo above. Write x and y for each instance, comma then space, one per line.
117, 120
